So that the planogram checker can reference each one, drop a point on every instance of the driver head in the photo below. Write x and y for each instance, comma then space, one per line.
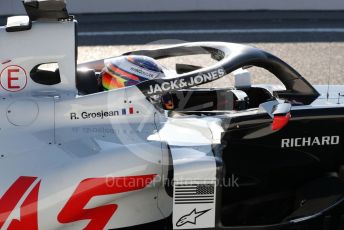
129, 70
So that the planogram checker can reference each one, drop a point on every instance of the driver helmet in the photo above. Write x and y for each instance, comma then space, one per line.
129, 70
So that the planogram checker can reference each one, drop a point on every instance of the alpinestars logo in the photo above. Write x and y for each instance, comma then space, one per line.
191, 218
309, 141
182, 83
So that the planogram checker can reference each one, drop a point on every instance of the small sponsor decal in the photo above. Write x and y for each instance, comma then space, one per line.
309, 141
101, 114
191, 218
194, 193
144, 72
192, 200
13, 78
183, 83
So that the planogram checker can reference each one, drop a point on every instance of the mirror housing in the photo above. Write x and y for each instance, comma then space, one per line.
18, 23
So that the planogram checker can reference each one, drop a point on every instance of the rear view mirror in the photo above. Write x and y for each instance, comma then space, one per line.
268, 107
281, 109
274, 108
279, 112
281, 115
18, 23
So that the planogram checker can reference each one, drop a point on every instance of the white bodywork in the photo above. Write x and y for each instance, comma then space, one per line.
40, 141
54, 144
64, 164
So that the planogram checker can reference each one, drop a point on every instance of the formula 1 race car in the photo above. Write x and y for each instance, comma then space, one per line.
162, 154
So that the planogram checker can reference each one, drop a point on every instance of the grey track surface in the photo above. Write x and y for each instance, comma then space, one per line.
319, 57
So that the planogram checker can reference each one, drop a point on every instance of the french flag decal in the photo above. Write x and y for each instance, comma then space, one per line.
130, 111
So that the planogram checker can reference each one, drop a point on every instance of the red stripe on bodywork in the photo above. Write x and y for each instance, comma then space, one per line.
12, 196
74, 210
28, 212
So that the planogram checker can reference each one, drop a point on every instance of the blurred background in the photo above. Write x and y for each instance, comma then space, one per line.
307, 34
